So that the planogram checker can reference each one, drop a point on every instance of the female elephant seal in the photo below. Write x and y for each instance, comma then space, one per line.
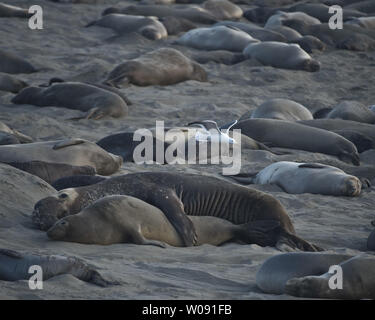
216, 38
296, 178
282, 109
149, 27
281, 55
121, 219
74, 152
306, 274
15, 266
96, 102
285, 134
163, 66
177, 195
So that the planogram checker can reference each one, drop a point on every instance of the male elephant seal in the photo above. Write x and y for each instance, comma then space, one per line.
10, 63
177, 195
281, 55
149, 27
12, 136
11, 84
194, 14
216, 38
282, 109
121, 219
73, 152
223, 9
8, 11
306, 274
163, 66
15, 266
316, 178
94, 101
285, 134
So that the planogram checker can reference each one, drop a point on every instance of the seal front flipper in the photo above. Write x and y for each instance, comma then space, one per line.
168, 202
312, 165
11, 253
67, 143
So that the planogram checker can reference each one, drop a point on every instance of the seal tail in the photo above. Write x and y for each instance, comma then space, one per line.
244, 178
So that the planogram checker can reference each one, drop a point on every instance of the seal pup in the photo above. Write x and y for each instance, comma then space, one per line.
282, 109
15, 266
11, 84
292, 135
194, 14
10, 63
8, 11
73, 152
281, 55
95, 102
11, 135
316, 178
177, 195
358, 281
149, 27
163, 66
125, 219
223, 9
216, 38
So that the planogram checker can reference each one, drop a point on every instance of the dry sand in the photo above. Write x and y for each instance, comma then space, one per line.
68, 50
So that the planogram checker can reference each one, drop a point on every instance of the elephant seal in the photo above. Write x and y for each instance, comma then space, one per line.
361, 141
310, 43
175, 26
73, 152
8, 11
362, 6
149, 27
15, 266
351, 110
177, 195
10, 63
94, 101
223, 9
259, 14
163, 66
11, 84
281, 55
280, 17
216, 38
253, 30
285, 134
219, 56
316, 178
364, 22
11, 135
125, 219
194, 14
75, 181
289, 33
282, 109
358, 281
50, 172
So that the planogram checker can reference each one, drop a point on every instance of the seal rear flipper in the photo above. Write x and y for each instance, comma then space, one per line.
263, 232
294, 242
97, 278
114, 82
244, 178
11, 253
22, 137
67, 143
168, 202
349, 157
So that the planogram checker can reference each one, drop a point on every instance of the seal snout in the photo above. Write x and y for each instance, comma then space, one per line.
352, 187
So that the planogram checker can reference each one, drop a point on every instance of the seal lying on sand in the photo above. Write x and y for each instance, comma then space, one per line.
163, 66
306, 274
281, 55
177, 195
12, 136
15, 266
149, 27
285, 134
296, 178
96, 102
11, 84
74, 152
223, 9
10, 63
120, 219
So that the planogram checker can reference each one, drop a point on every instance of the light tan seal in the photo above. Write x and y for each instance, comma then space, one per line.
163, 66
125, 219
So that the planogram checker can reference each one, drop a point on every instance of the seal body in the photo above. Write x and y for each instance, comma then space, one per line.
163, 66
8, 11
12, 136
351, 110
177, 195
11, 84
74, 152
281, 55
96, 102
216, 38
316, 178
10, 63
223, 9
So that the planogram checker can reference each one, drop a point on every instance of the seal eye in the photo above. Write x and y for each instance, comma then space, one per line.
63, 196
